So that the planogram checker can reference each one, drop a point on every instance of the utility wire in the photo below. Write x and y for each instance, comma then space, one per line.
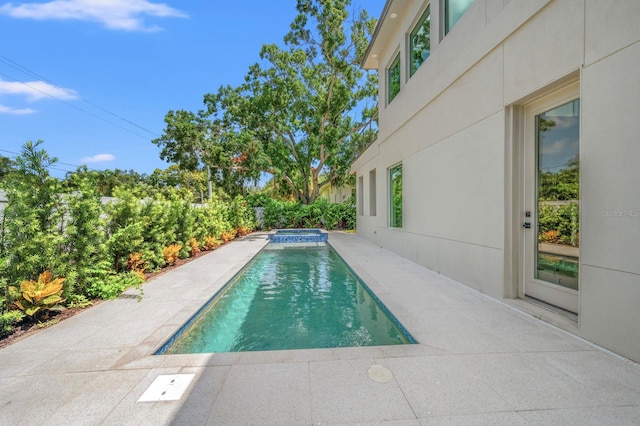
56, 163
7, 61
73, 106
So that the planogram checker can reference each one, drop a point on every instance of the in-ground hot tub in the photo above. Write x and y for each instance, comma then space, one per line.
298, 236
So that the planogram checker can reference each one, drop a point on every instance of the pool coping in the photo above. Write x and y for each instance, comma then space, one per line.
288, 235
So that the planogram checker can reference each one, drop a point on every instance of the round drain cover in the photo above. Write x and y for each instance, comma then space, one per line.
379, 374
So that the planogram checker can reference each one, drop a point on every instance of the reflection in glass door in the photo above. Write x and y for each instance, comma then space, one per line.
552, 200
558, 195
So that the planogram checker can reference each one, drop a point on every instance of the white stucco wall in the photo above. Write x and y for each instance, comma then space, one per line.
449, 126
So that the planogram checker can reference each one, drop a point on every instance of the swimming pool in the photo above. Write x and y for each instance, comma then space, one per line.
290, 298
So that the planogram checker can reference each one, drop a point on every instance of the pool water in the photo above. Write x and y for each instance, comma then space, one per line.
290, 298
560, 264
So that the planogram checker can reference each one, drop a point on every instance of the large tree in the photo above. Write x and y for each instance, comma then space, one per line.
5, 166
302, 113
104, 180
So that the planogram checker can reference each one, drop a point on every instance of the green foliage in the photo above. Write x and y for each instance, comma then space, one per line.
101, 249
347, 214
193, 182
558, 211
78, 301
84, 233
8, 320
560, 222
396, 196
38, 298
257, 199
394, 78
124, 228
304, 111
112, 285
563, 185
171, 253
291, 214
241, 216
32, 235
5, 167
103, 181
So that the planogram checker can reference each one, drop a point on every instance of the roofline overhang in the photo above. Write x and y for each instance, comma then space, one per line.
370, 59
376, 32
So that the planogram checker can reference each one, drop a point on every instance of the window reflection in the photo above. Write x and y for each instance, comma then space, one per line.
420, 41
558, 147
393, 85
396, 196
453, 11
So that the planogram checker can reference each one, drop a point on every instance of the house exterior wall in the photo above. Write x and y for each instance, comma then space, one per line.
335, 194
454, 127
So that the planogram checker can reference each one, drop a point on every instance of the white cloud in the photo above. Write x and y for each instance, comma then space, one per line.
98, 158
35, 90
15, 111
125, 15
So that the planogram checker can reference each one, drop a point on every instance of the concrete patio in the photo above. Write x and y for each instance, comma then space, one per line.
478, 361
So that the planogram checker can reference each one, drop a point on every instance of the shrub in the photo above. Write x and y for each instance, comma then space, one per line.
289, 214
84, 235
552, 236
348, 215
211, 243
112, 285
561, 221
125, 228
273, 215
38, 298
136, 263
258, 199
8, 320
194, 245
227, 236
32, 239
171, 253
241, 215
78, 301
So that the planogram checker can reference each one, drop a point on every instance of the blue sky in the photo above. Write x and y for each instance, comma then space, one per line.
95, 78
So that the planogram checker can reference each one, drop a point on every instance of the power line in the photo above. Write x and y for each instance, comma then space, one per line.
57, 162
9, 62
74, 106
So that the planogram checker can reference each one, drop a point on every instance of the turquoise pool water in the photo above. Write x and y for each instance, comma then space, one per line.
290, 298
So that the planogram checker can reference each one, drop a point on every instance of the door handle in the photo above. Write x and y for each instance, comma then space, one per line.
526, 225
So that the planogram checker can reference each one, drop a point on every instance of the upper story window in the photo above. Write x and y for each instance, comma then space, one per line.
393, 79
420, 41
453, 11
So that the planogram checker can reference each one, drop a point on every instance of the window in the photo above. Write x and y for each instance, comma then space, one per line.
453, 11
395, 183
372, 192
420, 41
360, 195
393, 78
